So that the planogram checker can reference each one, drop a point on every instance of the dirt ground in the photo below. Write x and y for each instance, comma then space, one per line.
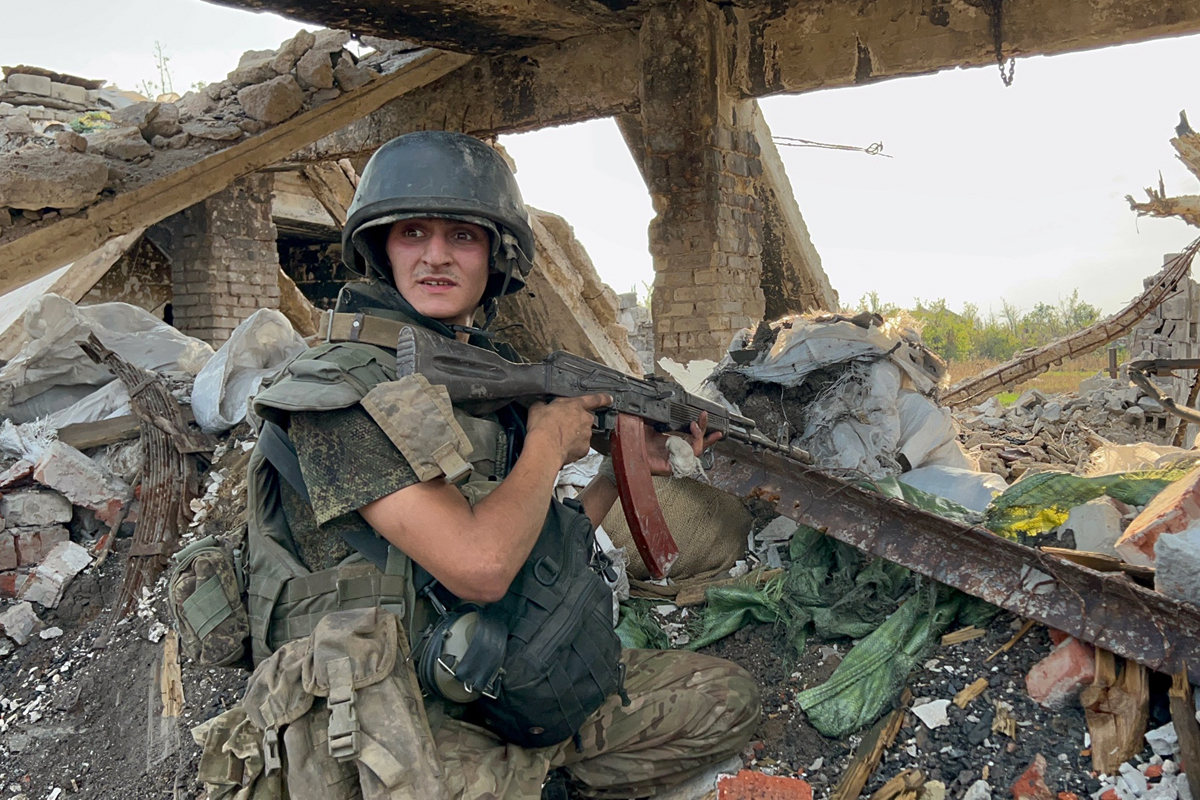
88, 720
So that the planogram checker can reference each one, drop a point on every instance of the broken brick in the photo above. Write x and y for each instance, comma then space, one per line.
1067, 796
11, 584
1172, 510
8, 551
1109, 794
20, 471
33, 544
1153, 771
34, 508
1059, 676
18, 622
750, 785
83, 481
1032, 783
48, 581
1057, 637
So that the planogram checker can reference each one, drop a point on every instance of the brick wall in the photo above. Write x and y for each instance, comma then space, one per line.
225, 265
701, 159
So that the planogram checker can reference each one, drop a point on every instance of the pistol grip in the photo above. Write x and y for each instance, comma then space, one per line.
638, 499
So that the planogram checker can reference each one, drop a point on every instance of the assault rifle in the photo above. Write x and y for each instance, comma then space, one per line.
480, 380
1117, 615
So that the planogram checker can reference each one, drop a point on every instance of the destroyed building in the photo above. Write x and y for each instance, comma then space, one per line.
226, 203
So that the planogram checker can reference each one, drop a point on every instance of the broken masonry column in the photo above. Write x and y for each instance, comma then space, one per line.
225, 265
700, 159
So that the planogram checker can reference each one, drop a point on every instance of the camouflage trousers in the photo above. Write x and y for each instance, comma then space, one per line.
686, 713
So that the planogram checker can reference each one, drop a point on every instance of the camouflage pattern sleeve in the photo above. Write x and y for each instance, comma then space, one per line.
347, 460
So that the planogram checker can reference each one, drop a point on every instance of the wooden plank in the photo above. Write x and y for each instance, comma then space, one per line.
85, 435
41, 250
870, 752
966, 695
963, 635
1020, 634
697, 593
1183, 714
332, 188
1103, 563
1117, 706
73, 284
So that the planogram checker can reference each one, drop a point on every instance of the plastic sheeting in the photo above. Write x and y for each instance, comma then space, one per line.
51, 373
973, 490
256, 351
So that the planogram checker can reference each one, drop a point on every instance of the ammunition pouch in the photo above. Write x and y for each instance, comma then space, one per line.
205, 589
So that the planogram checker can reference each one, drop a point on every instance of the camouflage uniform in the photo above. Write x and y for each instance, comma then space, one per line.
686, 711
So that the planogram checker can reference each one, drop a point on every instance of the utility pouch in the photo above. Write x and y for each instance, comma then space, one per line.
417, 416
345, 709
205, 590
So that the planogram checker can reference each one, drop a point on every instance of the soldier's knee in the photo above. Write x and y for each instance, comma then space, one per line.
744, 699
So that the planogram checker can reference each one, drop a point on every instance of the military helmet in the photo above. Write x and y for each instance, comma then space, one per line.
439, 174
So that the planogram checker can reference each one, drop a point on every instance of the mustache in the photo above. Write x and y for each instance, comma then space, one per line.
441, 276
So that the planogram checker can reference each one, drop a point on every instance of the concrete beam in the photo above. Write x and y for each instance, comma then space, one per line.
584, 78
463, 26
812, 46
807, 46
793, 280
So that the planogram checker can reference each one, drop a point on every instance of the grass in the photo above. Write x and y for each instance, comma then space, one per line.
1063, 379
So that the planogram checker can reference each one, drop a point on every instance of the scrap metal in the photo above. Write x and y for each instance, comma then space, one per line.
1031, 363
1105, 609
169, 472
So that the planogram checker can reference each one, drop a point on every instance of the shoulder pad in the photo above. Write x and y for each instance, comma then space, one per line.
330, 376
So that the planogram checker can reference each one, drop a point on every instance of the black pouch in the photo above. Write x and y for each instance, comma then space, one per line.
563, 658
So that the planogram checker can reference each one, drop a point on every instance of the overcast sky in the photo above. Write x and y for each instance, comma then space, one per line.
992, 193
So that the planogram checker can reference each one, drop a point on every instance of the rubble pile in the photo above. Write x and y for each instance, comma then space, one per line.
58, 156
1040, 431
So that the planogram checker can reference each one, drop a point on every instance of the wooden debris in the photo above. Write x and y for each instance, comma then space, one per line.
870, 752
903, 786
964, 697
304, 316
1003, 721
695, 594
1011, 643
170, 681
963, 635
1103, 563
1117, 705
1183, 714
331, 186
169, 473
104, 546
86, 435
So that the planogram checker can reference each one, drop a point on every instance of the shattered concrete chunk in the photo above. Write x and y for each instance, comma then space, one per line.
1097, 525
125, 144
35, 507
1164, 741
46, 584
151, 118
933, 713
196, 104
255, 66
212, 129
1031, 785
19, 622
330, 41
72, 141
291, 51
315, 70
30, 84
83, 481
51, 178
979, 790
273, 101
350, 76
1177, 565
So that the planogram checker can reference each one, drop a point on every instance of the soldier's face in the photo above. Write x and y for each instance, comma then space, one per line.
440, 266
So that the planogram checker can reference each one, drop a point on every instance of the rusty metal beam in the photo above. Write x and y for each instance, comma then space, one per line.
1105, 609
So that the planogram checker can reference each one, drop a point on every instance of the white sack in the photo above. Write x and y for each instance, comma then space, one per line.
854, 426
257, 350
924, 427
974, 490
51, 372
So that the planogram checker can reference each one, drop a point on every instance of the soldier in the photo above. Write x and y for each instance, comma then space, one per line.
404, 567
